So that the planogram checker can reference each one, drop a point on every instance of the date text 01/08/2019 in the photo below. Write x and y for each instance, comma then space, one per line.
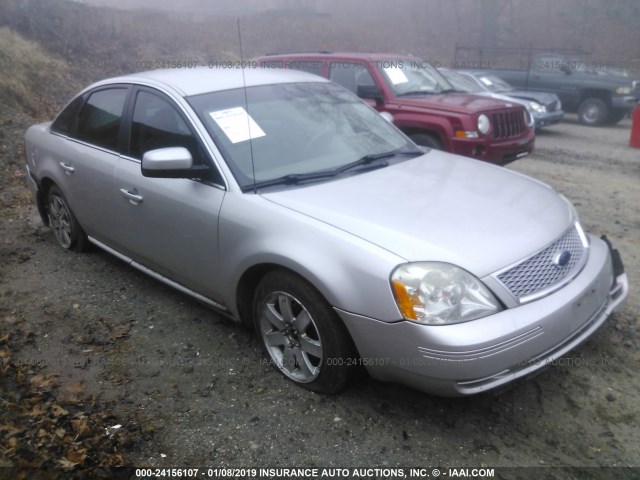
307, 473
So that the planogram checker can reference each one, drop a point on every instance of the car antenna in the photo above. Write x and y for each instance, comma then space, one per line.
246, 106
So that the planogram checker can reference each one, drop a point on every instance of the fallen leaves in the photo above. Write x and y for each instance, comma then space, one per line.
48, 428
58, 411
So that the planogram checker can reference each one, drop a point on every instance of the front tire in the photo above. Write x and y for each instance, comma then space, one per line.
301, 334
66, 229
593, 112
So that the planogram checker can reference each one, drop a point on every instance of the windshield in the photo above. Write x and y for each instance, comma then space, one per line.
416, 77
494, 84
461, 82
293, 131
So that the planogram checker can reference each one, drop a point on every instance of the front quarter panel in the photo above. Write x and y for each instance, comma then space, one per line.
351, 274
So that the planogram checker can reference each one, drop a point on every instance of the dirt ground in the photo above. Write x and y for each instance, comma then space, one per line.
190, 388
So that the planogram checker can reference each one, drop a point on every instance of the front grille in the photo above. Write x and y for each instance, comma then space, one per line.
508, 124
541, 273
553, 106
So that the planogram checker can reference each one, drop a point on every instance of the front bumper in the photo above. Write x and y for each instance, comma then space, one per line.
490, 150
472, 357
624, 102
548, 118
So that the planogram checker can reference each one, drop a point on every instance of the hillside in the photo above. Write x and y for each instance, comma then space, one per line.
50, 48
33, 86
33, 81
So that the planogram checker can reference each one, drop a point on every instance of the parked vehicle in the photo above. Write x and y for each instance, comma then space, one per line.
545, 108
599, 96
288, 204
422, 103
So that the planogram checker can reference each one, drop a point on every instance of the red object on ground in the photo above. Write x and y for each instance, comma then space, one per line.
635, 128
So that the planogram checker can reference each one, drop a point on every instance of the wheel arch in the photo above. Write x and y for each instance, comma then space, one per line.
41, 198
246, 288
603, 95
251, 277
439, 136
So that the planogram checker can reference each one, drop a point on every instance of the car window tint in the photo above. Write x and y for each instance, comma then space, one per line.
65, 122
350, 75
158, 124
309, 66
99, 119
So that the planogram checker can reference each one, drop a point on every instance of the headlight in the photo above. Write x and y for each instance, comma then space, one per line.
536, 107
623, 90
528, 118
483, 123
437, 293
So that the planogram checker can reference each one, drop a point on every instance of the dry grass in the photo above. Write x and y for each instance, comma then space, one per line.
33, 81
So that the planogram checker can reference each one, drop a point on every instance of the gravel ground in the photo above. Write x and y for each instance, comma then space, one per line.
191, 388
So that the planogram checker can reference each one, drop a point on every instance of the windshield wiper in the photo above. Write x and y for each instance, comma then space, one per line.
367, 159
293, 179
366, 162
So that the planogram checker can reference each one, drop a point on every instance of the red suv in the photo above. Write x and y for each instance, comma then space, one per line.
423, 103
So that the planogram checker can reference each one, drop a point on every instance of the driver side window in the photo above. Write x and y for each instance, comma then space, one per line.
158, 124
350, 75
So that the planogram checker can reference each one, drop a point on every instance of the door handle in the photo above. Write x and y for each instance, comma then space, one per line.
68, 169
132, 196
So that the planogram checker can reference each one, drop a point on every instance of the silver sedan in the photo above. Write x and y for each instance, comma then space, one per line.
285, 202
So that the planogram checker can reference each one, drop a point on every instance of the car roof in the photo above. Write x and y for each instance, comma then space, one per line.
344, 55
195, 81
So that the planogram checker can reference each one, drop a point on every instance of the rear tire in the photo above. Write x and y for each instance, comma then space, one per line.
66, 229
593, 112
303, 337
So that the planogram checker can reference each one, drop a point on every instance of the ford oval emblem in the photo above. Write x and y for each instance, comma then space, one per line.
561, 259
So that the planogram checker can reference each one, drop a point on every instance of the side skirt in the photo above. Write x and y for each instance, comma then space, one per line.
207, 301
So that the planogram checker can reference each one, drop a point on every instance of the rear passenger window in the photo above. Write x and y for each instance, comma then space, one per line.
99, 119
65, 122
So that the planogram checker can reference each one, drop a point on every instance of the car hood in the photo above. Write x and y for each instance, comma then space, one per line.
456, 102
439, 207
506, 98
542, 98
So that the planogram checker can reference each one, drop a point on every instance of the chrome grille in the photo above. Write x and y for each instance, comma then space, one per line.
540, 273
508, 124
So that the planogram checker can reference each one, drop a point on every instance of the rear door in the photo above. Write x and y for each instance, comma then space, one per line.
88, 154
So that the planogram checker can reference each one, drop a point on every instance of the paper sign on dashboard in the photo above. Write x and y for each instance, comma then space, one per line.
237, 124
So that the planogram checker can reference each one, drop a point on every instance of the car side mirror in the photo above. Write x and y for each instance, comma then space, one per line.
370, 92
172, 162
566, 69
